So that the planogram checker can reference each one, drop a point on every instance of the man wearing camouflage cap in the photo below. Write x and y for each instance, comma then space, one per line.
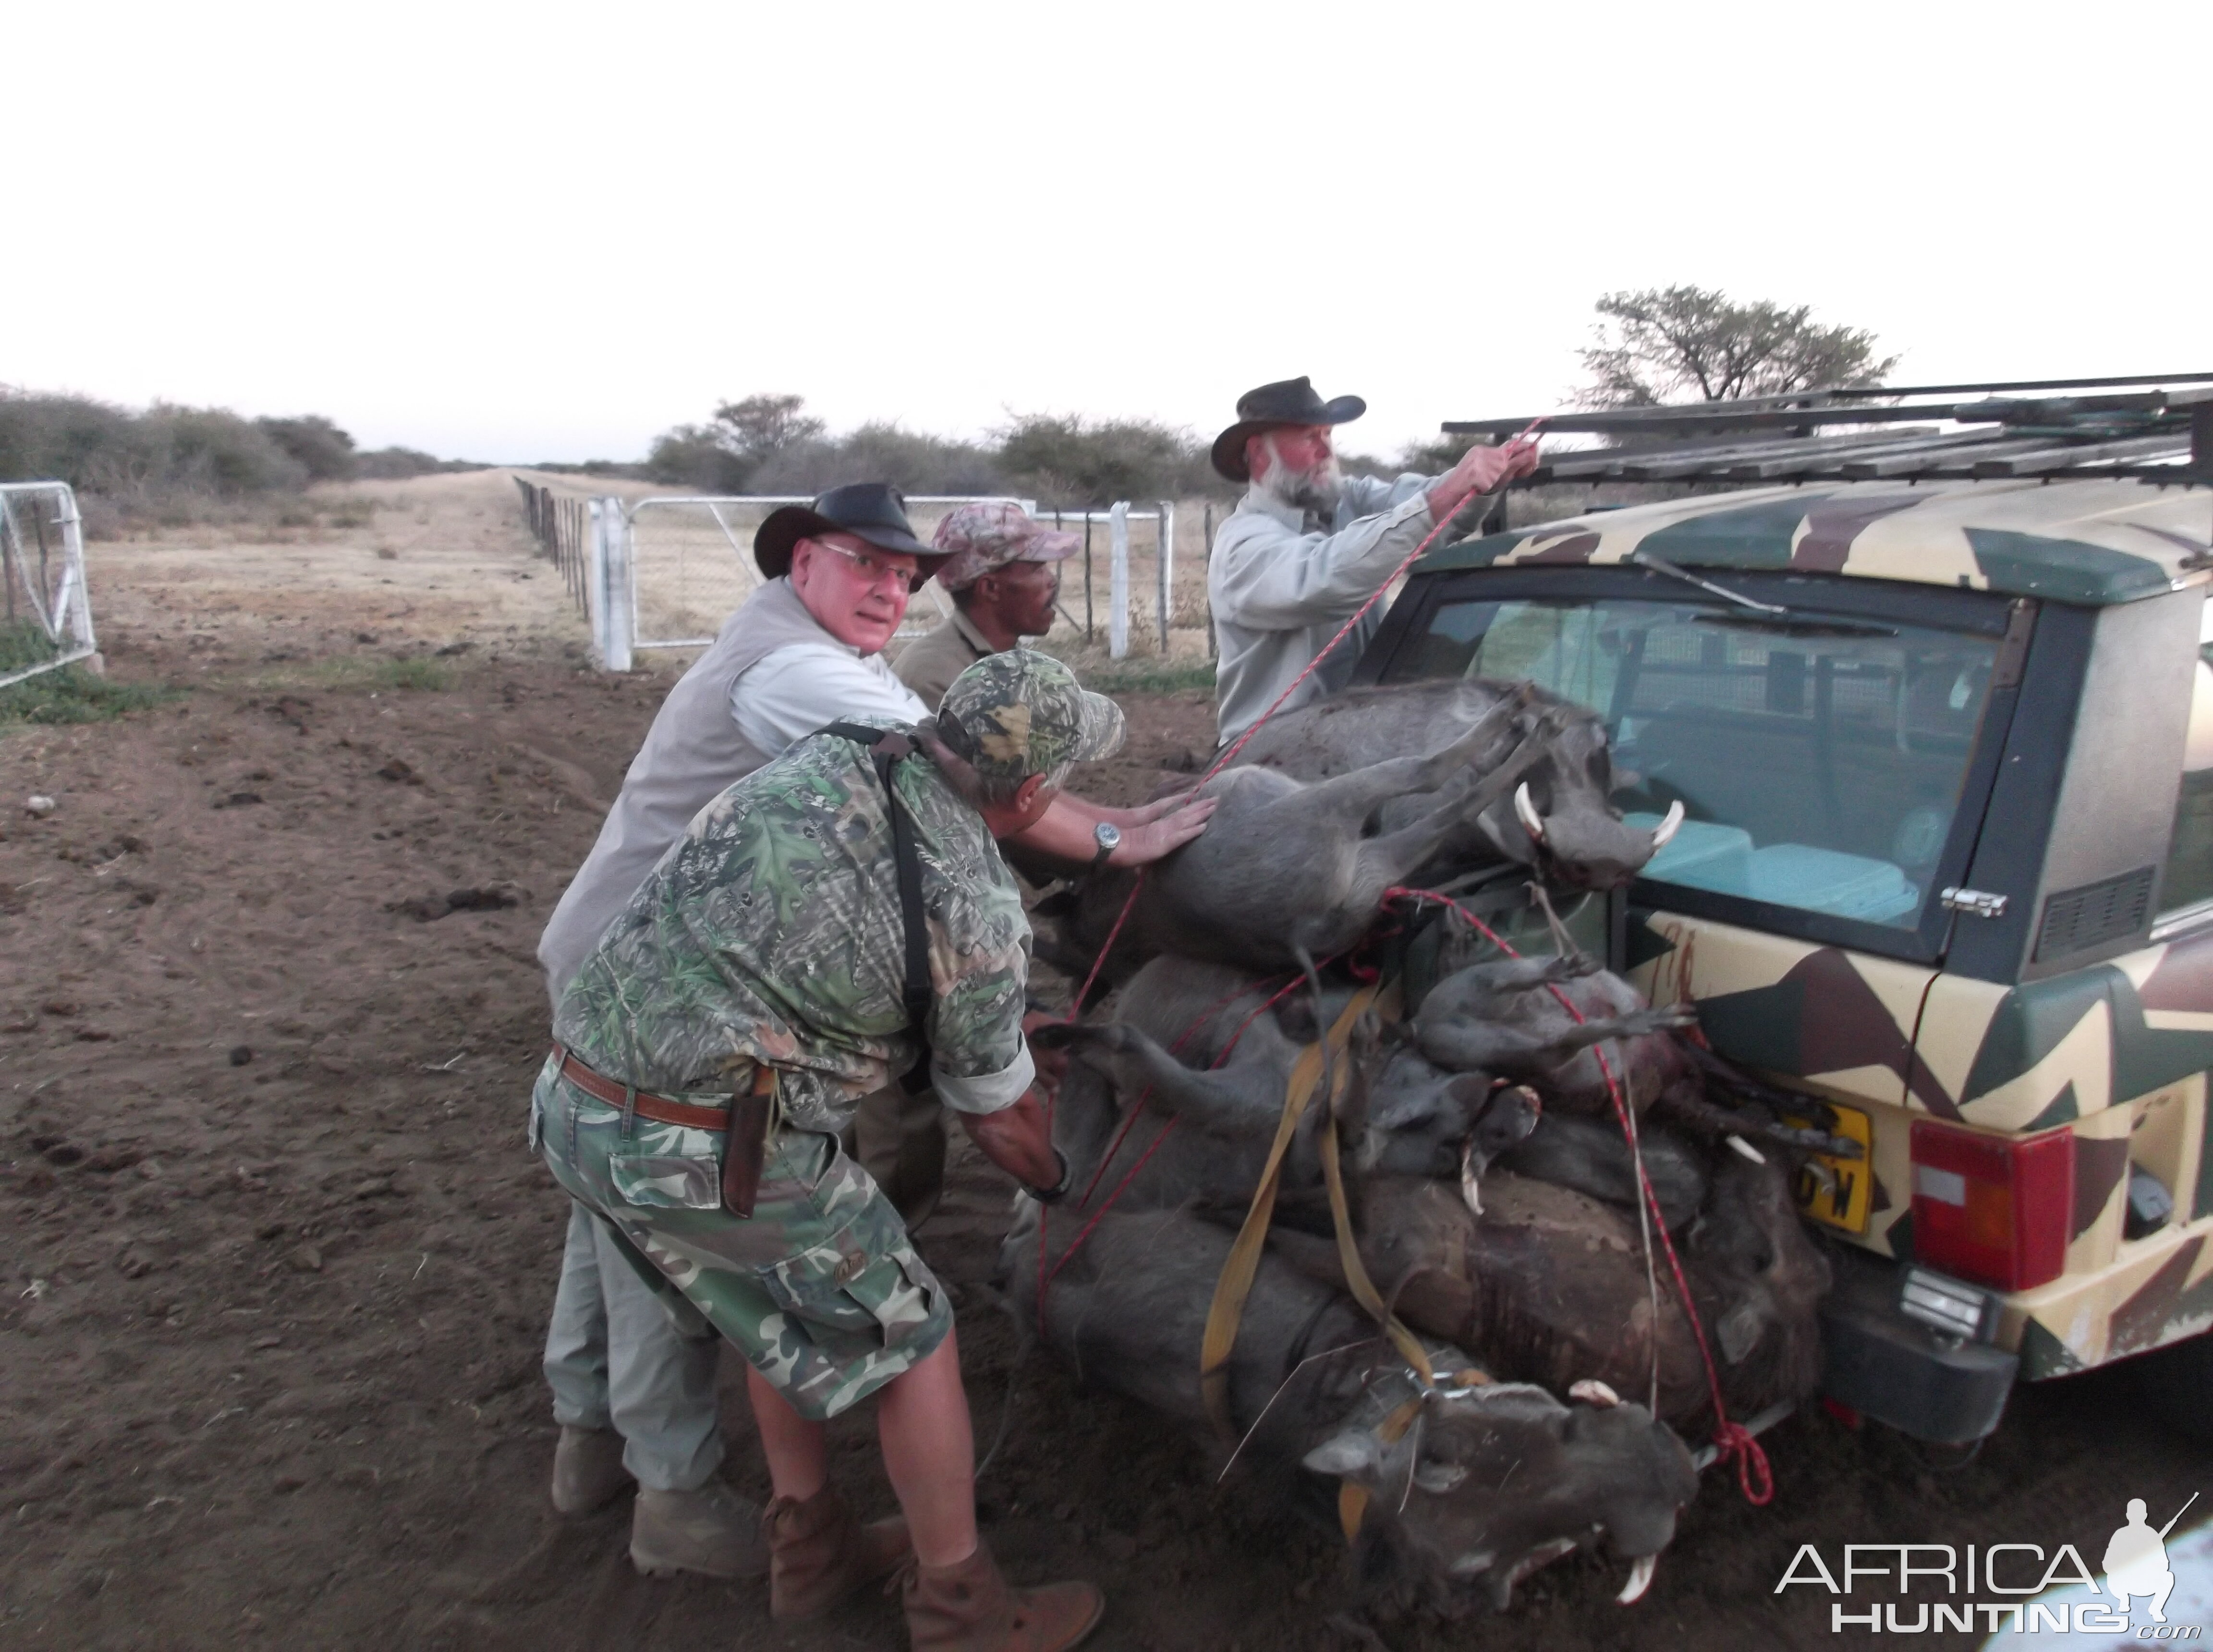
1002, 572
720, 1035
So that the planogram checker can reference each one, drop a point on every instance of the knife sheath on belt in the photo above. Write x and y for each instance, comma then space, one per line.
743, 1153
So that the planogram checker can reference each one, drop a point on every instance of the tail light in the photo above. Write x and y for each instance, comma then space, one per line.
1993, 1209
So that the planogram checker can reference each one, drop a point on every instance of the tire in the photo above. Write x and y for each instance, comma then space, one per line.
2177, 1382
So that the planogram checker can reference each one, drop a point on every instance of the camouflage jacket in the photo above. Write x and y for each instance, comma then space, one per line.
770, 933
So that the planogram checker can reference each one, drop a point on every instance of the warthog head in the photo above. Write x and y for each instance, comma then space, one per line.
1488, 1482
1561, 821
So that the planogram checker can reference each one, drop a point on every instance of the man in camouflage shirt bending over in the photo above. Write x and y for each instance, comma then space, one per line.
765, 957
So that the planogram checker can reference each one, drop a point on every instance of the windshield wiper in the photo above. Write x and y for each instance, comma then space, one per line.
1771, 616
1645, 559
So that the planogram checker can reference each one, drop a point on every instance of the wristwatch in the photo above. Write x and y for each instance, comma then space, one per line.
1108, 837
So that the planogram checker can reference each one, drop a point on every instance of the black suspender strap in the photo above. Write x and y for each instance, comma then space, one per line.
885, 747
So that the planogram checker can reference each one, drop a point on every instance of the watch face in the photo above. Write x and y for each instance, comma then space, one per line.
1107, 834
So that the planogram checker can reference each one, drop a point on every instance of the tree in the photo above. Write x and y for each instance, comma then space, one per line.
722, 456
761, 425
1683, 343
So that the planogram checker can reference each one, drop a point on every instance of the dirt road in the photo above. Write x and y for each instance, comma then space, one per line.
277, 1263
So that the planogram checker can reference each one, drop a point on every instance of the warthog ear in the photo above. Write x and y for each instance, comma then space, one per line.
1352, 1455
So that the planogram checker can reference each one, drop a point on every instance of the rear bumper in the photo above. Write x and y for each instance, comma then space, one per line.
1897, 1370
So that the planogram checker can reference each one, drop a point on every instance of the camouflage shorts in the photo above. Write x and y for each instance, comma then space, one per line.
820, 1288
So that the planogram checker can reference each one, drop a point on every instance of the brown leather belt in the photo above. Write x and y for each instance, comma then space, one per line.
659, 1108
745, 1116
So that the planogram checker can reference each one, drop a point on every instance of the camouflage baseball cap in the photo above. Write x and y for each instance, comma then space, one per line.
987, 537
1019, 712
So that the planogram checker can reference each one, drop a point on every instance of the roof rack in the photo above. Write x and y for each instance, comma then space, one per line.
2151, 427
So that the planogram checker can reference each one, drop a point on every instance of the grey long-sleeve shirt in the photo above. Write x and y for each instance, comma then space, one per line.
1280, 589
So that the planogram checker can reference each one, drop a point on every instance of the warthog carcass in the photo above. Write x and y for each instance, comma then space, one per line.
1511, 1234
1485, 1482
1549, 1284
1290, 870
1541, 1020
1556, 817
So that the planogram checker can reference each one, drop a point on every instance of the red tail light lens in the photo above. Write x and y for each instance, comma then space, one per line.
1992, 1209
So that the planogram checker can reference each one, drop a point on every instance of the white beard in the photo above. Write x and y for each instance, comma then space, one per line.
1316, 490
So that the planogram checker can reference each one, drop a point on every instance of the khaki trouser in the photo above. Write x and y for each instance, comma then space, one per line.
900, 1140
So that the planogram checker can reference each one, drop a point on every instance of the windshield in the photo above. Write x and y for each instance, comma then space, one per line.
1816, 770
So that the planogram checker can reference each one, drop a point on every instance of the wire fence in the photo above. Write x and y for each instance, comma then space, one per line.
691, 563
562, 528
666, 572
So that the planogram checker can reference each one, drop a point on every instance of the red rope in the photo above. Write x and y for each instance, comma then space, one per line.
1730, 1439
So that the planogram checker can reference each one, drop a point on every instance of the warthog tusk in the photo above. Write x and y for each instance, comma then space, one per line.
1468, 1190
1592, 1392
1640, 1579
1666, 829
1525, 810
1746, 1149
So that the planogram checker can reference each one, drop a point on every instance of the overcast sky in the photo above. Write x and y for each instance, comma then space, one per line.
548, 231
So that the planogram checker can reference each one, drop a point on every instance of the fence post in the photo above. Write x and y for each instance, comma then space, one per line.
1166, 508
1206, 586
1118, 580
612, 620
1088, 634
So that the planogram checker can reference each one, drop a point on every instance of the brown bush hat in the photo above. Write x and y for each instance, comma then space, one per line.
1287, 401
874, 511
981, 538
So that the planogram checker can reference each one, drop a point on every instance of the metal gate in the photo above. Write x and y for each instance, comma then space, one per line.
48, 619
667, 572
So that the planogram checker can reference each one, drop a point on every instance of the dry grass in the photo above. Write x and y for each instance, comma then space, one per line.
444, 559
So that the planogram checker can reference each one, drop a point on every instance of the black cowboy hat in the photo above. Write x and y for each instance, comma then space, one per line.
874, 511
1287, 401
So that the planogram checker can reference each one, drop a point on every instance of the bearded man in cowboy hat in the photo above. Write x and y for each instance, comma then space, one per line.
633, 1377
1307, 546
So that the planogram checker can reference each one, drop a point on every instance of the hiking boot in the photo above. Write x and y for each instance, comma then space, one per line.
969, 1608
819, 1553
713, 1531
587, 1469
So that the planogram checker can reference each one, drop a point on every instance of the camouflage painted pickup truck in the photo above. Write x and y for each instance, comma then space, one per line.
1945, 753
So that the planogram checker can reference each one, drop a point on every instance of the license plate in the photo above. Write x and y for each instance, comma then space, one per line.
1841, 1198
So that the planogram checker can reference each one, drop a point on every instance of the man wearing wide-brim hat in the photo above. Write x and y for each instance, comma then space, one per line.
1306, 546
633, 1383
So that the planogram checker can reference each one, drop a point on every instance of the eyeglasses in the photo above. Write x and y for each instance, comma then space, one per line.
873, 571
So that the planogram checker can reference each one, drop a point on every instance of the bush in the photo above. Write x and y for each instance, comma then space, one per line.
1082, 462
318, 446
879, 452
398, 464
692, 456
160, 462
212, 450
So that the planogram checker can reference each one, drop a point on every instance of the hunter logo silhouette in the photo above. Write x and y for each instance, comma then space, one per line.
2136, 1560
